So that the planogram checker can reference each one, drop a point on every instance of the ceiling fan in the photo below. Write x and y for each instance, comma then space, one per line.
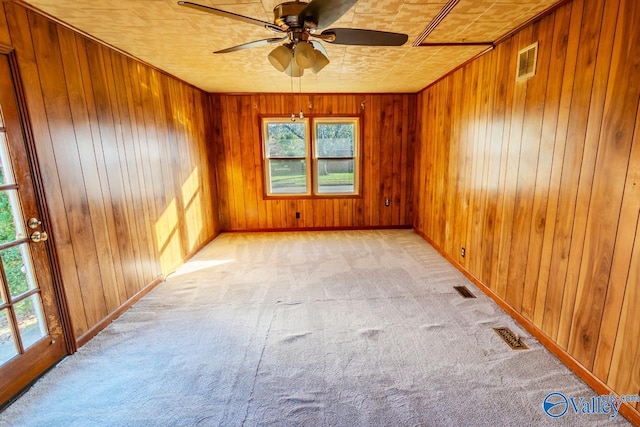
298, 24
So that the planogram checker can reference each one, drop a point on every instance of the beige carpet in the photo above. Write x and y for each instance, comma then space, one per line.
357, 328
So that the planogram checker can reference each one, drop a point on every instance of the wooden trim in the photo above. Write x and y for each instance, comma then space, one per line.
199, 247
312, 196
38, 185
13, 243
456, 44
464, 64
499, 40
5, 187
4, 49
42, 361
287, 229
446, 9
592, 381
87, 336
363, 94
531, 20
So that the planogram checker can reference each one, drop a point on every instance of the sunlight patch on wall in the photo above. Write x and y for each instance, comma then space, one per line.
193, 210
168, 238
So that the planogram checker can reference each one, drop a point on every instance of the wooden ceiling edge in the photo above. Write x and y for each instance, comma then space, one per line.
99, 41
501, 39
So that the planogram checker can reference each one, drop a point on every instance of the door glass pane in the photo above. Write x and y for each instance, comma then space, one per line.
11, 222
6, 175
30, 320
335, 176
3, 298
288, 176
17, 269
8, 347
335, 139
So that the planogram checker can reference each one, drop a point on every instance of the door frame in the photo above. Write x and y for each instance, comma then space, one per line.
34, 167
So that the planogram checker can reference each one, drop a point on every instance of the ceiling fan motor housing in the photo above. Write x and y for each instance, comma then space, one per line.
287, 15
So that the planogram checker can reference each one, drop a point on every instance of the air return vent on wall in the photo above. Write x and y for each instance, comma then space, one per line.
527, 62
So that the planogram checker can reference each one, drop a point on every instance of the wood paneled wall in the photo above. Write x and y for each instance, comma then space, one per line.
388, 152
123, 156
540, 181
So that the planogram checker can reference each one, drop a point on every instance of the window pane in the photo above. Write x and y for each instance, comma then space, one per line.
336, 176
286, 140
335, 139
18, 270
288, 176
8, 347
11, 222
30, 320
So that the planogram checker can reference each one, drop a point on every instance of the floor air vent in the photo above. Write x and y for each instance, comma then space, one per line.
462, 290
512, 340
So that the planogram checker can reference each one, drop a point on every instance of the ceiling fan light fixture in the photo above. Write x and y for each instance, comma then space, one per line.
281, 57
305, 54
294, 70
321, 62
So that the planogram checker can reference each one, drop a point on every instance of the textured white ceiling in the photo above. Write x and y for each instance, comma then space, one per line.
180, 40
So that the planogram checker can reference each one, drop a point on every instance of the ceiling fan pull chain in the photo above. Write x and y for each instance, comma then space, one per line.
293, 101
300, 96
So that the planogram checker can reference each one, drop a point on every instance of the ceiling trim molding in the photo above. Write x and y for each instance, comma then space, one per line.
457, 44
464, 64
446, 9
532, 20
501, 39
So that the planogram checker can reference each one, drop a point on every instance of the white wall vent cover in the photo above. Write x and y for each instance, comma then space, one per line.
527, 58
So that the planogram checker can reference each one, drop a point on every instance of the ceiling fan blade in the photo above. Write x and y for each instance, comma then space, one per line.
231, 15
325, 12
249, 45
358, 37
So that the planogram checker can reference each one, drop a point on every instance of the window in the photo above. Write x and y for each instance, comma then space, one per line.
286, 156
317, 156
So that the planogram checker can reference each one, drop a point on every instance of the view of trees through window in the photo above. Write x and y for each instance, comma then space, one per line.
335, 153
287, 149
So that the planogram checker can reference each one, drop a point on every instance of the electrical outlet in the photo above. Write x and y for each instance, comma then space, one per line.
297, 215
462, 252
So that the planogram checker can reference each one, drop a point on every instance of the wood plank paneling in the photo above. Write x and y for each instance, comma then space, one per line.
5, 37
123, 154
559, 199
387, 154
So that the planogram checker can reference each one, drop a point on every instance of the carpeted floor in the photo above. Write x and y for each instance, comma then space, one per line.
357, 328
